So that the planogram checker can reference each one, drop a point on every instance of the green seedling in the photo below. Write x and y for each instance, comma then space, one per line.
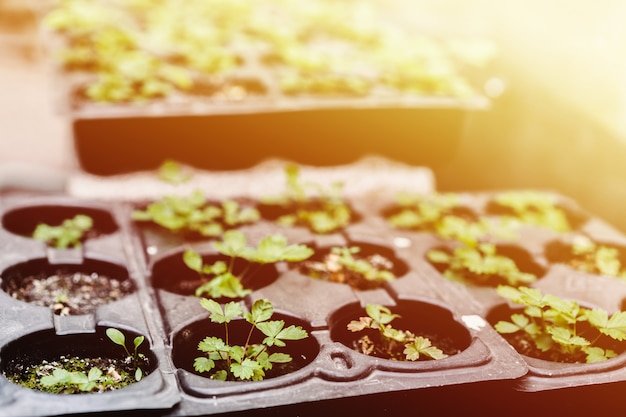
74, 381
343, 265
534, 208
118, 338
440, 213
249, 361
221, 280
560, 329
396, 344
78, 376
479, 264
68, 234
140, 51
172, 172
323, 210
194, 214
594, 258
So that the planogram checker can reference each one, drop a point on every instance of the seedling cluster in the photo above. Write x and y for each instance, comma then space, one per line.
561, 330
70, 233
194, 214
344, 264
248, 361
221, 279
595, 258
393, 343
147, 50
75, 375
320, 208
533, 208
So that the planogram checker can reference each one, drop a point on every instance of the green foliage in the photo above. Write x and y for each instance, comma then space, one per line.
479, 264
439, 213
321, 209
195, 214
251, 360
66, 235
562, 328
146, 50
118, 338
379, 318
534, 208
221, 279
595, 258
341, 261
74, 381
172, 172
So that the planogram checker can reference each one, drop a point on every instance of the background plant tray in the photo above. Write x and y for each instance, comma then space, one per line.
336, 373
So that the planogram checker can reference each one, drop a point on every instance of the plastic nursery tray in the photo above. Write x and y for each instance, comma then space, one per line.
242, 116
174, 322
544, 252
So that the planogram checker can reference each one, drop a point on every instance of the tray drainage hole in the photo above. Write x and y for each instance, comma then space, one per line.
340, 361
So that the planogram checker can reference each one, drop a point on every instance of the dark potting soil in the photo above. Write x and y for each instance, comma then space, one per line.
116, 373
70, 293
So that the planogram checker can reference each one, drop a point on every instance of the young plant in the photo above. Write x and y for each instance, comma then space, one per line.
561, 330
80, 375
595, 258
69, 233
343, 264
70, 382
118, 338
394, 344
194, 214
251, 360
479, 264
324, 211
533, 208
222, 280
172, 172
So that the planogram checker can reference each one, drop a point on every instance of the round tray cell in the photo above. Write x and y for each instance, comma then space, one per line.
68, 289
185, 343
25, 360
523, 260
23, 221
524, 344
538, 215
431, 321
324, 265
171, 274
421, 221
587, 255
274, 212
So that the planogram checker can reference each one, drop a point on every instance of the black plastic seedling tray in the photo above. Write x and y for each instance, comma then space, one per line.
328, 371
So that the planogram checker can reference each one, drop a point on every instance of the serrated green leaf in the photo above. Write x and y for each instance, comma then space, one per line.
506, 327
203, 364
614, 327
261, 311
279, 358
193, 260
422, 346
212, 344
246, 369
292, 333
233, 244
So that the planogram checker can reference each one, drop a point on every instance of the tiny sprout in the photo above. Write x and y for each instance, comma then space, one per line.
68, 234
118, 338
